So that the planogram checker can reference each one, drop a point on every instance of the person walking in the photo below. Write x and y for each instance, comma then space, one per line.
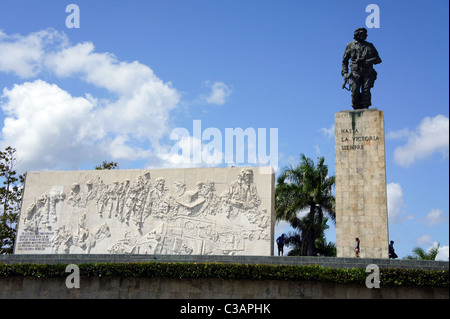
357, 249
392, 253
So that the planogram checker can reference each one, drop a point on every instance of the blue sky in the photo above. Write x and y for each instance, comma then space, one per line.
116, 87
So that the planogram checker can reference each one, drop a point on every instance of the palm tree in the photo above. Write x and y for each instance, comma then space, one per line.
305, 187
421, 254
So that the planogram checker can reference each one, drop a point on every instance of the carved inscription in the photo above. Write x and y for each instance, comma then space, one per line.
30, 242
353, 139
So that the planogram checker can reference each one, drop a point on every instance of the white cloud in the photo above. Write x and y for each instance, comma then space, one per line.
219, 93
432, 136
424, 240
97, 68
328, 132
23, 55
400, 134
396, 206
443, 253
144, 102
48, 126
317, 148
435, 216
189, 151
182, 153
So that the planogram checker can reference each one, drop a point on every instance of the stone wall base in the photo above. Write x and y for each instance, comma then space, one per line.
157, 288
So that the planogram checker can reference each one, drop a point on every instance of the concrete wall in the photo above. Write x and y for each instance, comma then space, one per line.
157, 288
94, 287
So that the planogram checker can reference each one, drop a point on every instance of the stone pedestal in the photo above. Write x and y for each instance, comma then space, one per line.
361, 200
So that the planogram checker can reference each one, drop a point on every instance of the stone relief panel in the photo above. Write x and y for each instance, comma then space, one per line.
130, 212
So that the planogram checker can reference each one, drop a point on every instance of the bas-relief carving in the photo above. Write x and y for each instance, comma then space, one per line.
150, 218
40, 215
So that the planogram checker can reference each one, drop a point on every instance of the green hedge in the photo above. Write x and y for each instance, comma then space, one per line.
388, 277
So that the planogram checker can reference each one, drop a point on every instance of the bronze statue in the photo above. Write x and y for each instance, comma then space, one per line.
362, 75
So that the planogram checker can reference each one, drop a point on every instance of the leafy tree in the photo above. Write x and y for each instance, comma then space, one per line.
306, 187
10, 199
107, 166
421, 254
322, 248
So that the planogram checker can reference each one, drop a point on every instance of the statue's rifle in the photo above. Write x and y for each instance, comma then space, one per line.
347, 80
347, 77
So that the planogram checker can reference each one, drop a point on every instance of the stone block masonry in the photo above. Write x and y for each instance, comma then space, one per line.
197, 289
361, 199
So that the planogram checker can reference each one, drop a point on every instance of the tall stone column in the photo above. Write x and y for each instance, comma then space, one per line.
361, 200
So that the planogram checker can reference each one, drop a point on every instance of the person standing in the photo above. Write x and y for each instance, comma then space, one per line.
280, 242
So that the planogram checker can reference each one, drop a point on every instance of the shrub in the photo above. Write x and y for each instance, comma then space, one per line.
388, 277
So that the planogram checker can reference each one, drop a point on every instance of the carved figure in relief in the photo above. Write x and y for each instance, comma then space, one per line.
133, 203
93, 188
180, 189
151, 243
242, 195
121, 198
62, 241
158, 198
82, 233
108, 200
74, 196
185, 249
124, 246
112, 201
32, 219
207, 191
84, 239
40, 215
101, 198
138, 213
79, 196
54, 198
98, 235
43, 209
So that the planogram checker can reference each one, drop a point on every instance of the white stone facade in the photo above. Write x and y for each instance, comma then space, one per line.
204, 211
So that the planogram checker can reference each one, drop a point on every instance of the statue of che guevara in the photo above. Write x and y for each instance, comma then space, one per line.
362, 75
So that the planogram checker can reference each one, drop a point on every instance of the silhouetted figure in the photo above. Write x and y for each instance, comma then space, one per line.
392, 253
280, 243
357, 249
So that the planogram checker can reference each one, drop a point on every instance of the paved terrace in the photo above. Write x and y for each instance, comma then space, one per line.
330, 262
